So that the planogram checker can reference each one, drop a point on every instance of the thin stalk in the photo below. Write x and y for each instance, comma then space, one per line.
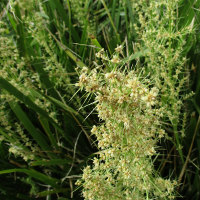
178, 142
111, 21
189, 152
70, 23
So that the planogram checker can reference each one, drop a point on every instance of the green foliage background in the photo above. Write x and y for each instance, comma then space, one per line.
45, 128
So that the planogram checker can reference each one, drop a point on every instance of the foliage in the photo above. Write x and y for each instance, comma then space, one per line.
45, 139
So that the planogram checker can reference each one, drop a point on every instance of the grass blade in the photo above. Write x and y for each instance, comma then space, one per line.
51, 162
35, 174
35, 133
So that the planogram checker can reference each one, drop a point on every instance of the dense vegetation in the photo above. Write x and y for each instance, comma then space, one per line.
99, 99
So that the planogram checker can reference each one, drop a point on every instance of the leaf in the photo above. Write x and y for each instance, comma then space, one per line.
25, 99
35, 174
51, 162
35, 133
45, 124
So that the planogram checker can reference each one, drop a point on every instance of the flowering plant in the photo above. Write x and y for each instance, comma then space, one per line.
126, 139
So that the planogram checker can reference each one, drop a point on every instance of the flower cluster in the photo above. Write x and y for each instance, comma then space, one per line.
159, 31
126, 140
15, 70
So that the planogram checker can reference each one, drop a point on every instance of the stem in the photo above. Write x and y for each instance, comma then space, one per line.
111, 21
189, 152
178, 145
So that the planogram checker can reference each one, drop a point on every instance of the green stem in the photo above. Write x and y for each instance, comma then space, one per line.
111, 21
178, 145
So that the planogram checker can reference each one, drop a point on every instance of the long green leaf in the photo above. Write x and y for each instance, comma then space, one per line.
56, 5
35, 133
25, 99
29, 103
111, 21
35, 174
45, 124
51, 162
